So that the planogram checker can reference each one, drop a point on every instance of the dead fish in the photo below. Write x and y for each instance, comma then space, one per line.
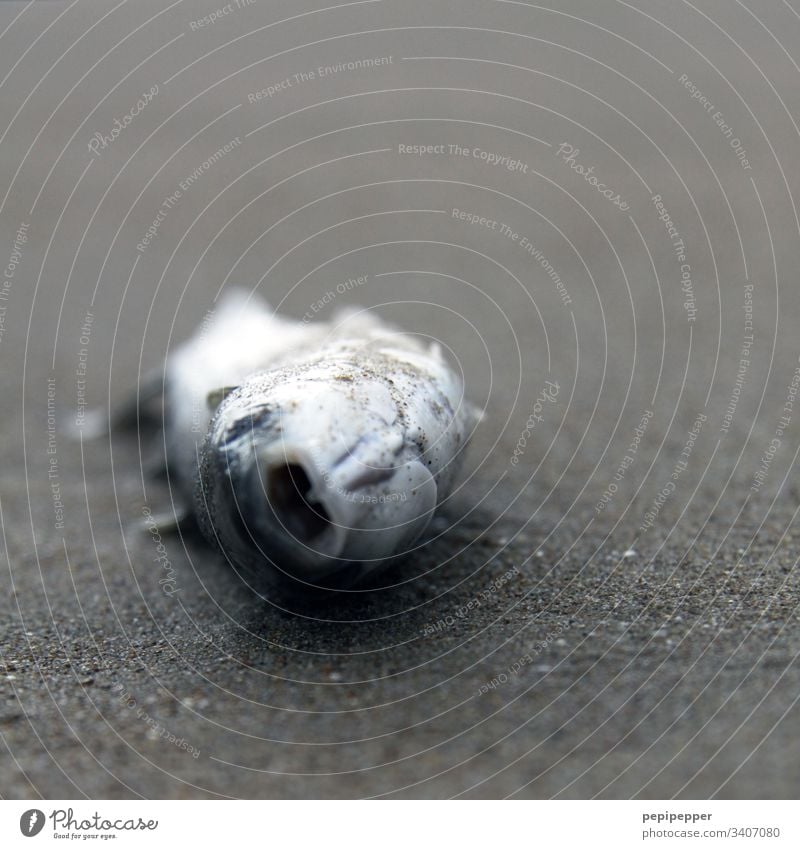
320, 450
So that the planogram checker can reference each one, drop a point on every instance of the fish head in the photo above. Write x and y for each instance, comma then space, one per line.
315, 470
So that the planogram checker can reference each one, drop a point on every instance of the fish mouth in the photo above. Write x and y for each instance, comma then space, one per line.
312, 517
289, 496
296, 515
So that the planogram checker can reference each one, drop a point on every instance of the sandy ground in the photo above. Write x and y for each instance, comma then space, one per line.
552, 641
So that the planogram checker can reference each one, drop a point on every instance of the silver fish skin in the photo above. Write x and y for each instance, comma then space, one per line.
326, 446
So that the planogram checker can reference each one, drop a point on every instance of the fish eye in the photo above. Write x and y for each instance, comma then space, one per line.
288, 493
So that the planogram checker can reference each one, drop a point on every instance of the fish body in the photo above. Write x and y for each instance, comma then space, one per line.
318, 450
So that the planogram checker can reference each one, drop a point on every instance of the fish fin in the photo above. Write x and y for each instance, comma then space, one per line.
237, 298
475, 413
145, 406
348, 321
217, 396
170, 521
156, 468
